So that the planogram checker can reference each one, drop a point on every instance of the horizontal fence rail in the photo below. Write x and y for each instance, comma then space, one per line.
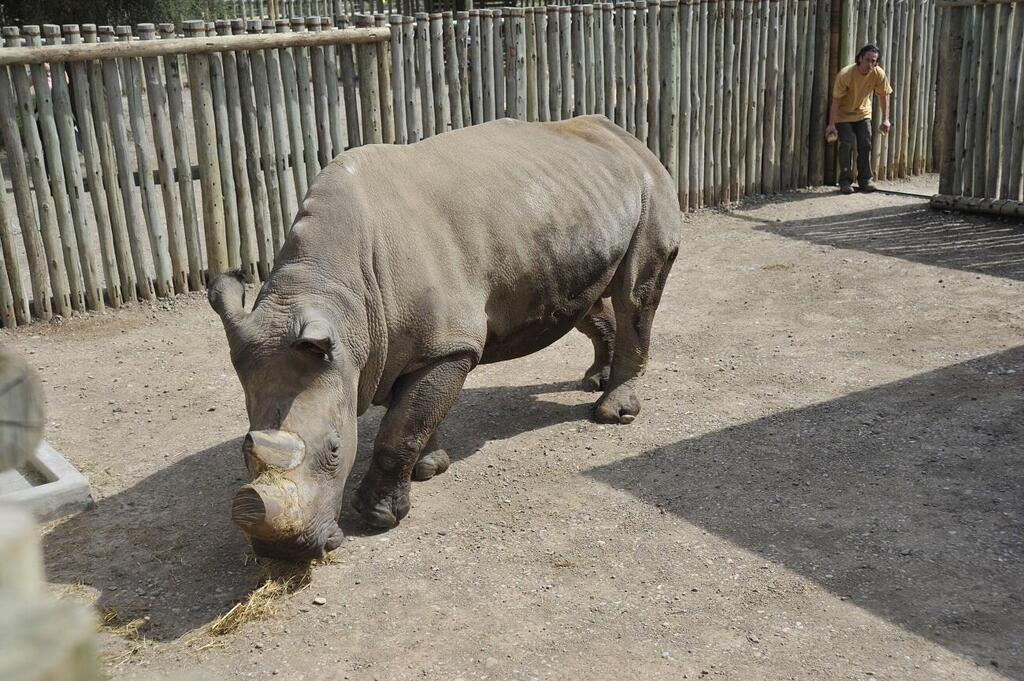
145, 167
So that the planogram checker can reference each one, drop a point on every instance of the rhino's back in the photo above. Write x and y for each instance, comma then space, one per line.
496, 237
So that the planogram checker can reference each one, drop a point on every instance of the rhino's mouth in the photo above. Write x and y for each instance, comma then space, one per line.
300, 549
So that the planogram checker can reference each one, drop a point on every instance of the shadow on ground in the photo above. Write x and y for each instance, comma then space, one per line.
907, 499
166, 547
975, 243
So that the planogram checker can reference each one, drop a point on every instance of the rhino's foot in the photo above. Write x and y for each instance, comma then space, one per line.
431, 464
381, 505
621, 405
596, 378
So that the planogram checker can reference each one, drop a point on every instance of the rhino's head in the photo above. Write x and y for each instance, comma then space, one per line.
299, 391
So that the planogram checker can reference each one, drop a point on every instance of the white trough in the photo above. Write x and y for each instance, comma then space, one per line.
47, 485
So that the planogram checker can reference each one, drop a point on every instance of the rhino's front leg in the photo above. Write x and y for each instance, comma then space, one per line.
420, 402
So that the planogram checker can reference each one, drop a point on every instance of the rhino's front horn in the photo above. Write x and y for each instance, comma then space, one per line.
272, 449
260, 512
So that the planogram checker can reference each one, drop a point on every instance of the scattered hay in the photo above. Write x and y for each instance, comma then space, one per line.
278, 580
114, 624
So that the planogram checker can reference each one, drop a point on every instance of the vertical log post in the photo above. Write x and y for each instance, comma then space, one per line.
64, 119
53, 171
209, 166
398, 92
261, 137
164, 145
182, 163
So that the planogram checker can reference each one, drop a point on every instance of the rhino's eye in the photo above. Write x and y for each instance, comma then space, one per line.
333, 443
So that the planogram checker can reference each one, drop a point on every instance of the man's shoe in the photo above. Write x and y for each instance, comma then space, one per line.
845, 188
868, 186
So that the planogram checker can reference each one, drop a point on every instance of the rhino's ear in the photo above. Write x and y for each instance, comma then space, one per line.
315, 336
227, 297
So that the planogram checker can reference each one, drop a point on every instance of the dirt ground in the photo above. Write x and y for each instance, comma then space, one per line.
825, 481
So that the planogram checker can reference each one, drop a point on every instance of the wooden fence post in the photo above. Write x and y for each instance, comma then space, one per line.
348, 79
334, 96
611, 61
531, 65
540, 34
222, 134
409, 47
131, 78
589, 59
183, 163
476, 67
387, 112
498, 55
321, 113
304, 78
275, 93
462, 54
84, 239
239, 162
398, 79
52, 173
368, 87
640, 62
13, 303
442, 109
674, 56
41, 240
103, 186
599, 61
8, 257
257, 131
209, 166
949, 86
668, 43
515, 31
64, 119
448, 69
554, 58
1013, 129
174, 227
579, 62
653, 75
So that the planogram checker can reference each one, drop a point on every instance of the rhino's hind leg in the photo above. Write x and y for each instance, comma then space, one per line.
433, 461
636, 292
420, 402
599, 326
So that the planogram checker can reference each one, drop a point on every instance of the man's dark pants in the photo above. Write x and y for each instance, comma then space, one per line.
854, 134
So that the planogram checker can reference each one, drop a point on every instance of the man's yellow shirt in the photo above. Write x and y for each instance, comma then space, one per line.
853, 90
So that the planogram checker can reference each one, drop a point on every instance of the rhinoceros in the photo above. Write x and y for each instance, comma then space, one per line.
406, 267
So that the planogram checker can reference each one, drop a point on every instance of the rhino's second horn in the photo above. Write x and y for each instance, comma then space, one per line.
273, 449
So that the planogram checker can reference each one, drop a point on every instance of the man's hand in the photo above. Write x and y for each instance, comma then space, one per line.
831, 129
885, 127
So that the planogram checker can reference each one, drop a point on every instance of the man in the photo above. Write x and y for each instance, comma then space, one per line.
850, 115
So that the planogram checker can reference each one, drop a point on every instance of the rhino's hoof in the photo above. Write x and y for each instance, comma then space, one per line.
386, 512
380, 516
431, 464
595, 379
617, 408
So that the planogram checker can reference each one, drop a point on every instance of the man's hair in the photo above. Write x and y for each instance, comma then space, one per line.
870, 47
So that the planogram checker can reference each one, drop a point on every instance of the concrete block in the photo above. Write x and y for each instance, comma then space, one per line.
47, 485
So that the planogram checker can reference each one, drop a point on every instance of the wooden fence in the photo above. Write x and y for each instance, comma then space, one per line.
105, 162
982, 107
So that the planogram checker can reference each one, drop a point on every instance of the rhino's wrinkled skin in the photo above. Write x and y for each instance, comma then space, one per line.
406, 267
